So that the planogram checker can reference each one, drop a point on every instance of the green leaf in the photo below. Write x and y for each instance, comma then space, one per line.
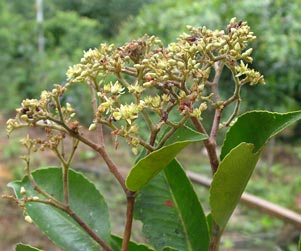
209, 221
171, 213
185, 134
230, 181
149, 166
242, 146
299, 243
85, 201
117, 243
257, 127
23, 247
170, 249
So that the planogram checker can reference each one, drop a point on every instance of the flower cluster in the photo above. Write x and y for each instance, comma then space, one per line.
143, 79
46, 112
248, 75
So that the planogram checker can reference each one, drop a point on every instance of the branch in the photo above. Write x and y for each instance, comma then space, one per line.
63, 206
129, 220
99, 130
90, 231
214, 87
171, 131
255, 202
209, 144
236, 94
234, 114
100, 149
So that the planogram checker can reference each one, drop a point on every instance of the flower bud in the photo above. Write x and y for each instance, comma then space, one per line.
247, 52
28, 219
24, 117
92, 127
249, 59
138, 66
23, 190
181, 64
208, 47
172, 62
35, 198
147, 84
135, 150
237, 47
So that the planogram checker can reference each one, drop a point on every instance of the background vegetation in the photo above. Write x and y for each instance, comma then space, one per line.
72, 26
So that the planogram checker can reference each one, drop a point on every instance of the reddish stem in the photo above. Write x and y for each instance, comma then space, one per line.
129, 220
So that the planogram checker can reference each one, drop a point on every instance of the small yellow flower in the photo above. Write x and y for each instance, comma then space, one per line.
165, 98
116, 88
117, 115
156, 102
136, 88
74, 71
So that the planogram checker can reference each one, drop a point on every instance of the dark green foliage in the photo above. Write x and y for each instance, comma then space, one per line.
240, 152
110, 14
165, 207
85, 201
248, 129
70, 33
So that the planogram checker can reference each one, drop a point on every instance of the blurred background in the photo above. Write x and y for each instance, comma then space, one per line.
40, 39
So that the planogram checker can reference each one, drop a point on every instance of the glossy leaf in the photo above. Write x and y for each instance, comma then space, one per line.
257, 127
133, 246
23, 247
239, 159
230, 181
85, 201
171, 213
149, 166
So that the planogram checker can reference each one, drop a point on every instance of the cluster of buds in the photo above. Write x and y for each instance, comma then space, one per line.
43, 112
150, 81
247, 75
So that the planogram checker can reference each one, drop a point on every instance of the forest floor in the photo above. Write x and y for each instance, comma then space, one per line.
248, 230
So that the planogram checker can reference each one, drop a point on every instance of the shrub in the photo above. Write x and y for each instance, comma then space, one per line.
170, 90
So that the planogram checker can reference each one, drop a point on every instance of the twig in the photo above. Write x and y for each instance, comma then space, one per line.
218, 66
129, 220
147, 119
234, 114
59, 108
236, 94
256, 202
209, 144
99, 129
101, 242
100, 149
63, 206
171, 132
